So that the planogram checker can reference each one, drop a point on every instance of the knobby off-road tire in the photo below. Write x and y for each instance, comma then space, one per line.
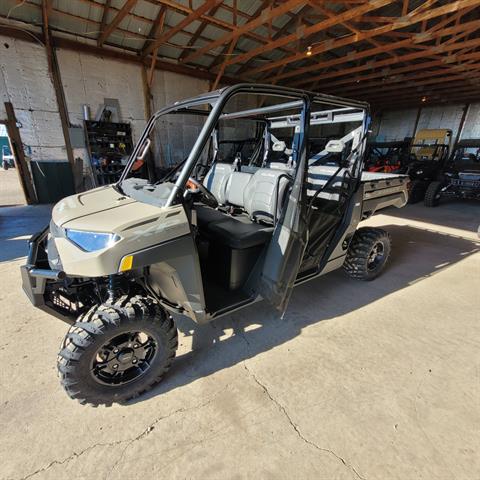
367, 254
416, 191
115, 352
432, 195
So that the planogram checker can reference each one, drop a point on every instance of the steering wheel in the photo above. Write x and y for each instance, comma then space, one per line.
206, 196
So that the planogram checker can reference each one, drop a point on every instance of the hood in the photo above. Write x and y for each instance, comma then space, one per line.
87, 203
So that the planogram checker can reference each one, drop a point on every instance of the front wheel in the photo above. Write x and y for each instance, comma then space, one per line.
433, 194
367, 254
115, 352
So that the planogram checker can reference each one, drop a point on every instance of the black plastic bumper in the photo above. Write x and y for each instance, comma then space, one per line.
34, 279
464, 191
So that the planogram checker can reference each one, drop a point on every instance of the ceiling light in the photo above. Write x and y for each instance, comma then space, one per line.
424, 99
309, 51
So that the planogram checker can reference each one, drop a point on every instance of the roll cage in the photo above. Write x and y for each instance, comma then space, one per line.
218, 99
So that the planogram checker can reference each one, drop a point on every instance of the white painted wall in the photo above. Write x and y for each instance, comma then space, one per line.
168, 87
398, 124
472, 122
25, 82
87, 79
175, 134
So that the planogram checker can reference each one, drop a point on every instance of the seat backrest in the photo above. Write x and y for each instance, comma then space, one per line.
263, 196
236, 185
216, 180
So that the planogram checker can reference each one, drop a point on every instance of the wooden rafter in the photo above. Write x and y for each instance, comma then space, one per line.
197, 34
447, 58
351, 39
405, 80
156, 32
396, 74
224, 64
103, 23
220, 58
426, 42
122, 13
195, 15
348, 25
136, 35
157, 27
56, 80
260, 20
308, 31
428, 95
353, 56
423, 86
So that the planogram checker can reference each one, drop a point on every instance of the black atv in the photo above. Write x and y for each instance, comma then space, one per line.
461, 176
424, 167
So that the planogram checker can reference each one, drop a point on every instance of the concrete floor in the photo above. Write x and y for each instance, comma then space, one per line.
358, 381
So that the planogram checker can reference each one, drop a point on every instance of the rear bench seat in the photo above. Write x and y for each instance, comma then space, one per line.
256, 194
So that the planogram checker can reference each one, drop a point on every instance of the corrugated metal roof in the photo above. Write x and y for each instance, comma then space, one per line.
83, 18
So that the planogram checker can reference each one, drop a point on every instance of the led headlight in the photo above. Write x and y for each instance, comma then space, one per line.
91, 241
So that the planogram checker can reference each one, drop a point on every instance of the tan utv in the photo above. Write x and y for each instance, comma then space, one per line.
228, 198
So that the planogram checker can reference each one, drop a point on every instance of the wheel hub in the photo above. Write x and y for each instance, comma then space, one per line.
376, 256
123, 358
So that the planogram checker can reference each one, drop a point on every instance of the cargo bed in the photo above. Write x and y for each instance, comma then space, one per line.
380, 190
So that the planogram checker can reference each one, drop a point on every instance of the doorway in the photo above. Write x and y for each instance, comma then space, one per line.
11, 192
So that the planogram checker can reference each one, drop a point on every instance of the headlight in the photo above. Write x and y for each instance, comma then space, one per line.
91, 241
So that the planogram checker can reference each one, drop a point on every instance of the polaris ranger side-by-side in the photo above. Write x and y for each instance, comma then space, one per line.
460, 177
250, 211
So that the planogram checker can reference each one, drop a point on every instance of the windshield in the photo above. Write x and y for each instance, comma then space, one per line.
429, 151
465, 156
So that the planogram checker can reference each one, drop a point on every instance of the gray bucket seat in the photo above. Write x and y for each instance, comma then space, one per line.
260, 195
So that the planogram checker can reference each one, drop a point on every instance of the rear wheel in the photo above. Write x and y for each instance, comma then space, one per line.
115, 352
416, 191
432, 195
367, 254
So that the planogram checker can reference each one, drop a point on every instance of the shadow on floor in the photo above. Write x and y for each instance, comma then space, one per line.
17, 225
461, 214
416, 254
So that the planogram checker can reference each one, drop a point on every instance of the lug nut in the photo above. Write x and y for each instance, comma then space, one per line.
115, 366
115, 350
134, 360
135, 346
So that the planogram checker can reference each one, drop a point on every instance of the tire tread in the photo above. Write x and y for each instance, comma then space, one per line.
97, 321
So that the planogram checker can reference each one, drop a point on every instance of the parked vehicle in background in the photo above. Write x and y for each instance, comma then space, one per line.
460, 177
8, 160
429, 153
387, 157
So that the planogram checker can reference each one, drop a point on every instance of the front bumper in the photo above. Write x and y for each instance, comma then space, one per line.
462, 189
37, 277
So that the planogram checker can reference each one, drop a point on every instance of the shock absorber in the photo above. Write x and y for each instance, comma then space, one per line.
114, 287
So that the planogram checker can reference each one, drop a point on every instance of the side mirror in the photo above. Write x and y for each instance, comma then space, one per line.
335, 146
